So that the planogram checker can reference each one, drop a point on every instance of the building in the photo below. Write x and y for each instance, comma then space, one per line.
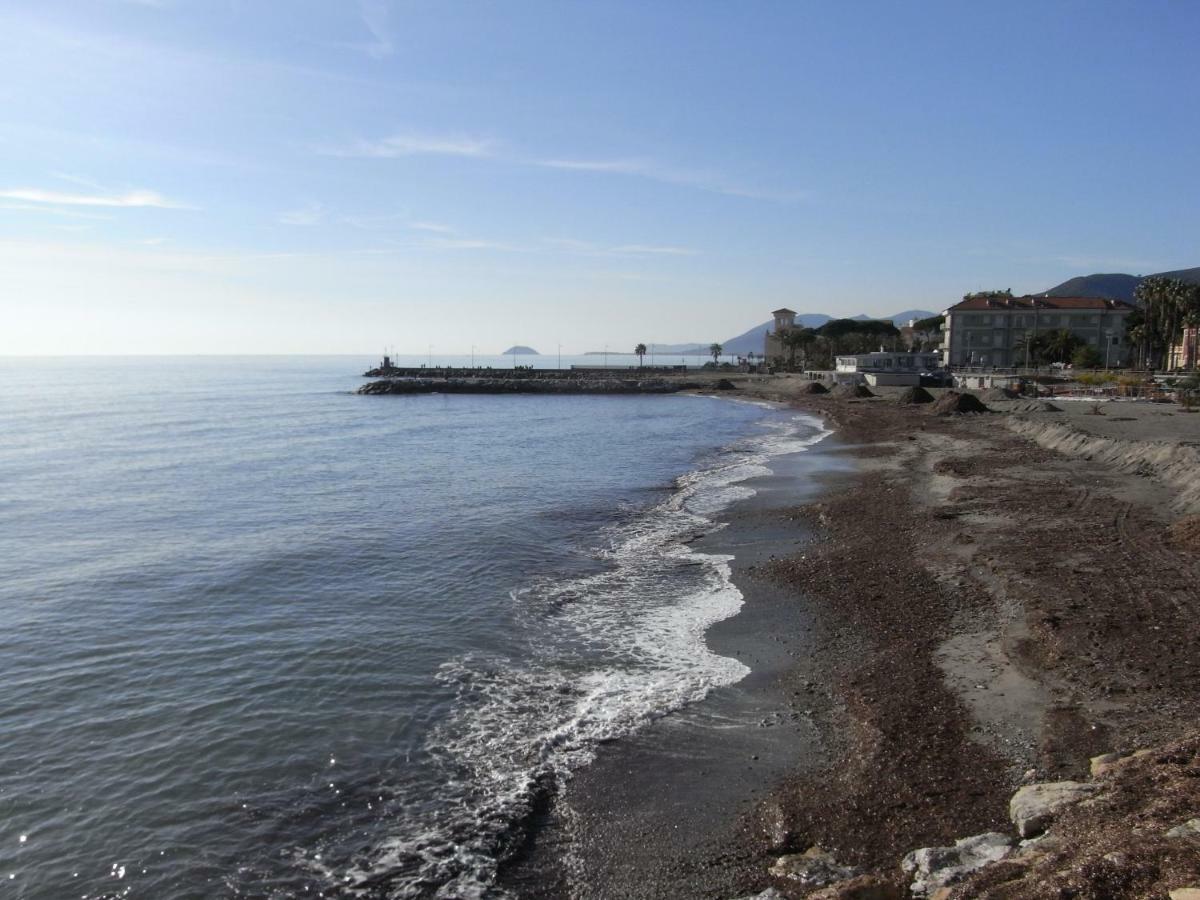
1185, 354
883, 368
785, 320
991, 330
919, 338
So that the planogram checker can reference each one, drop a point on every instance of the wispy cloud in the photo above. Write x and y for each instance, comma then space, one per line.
653, 250
645, 168
374, 15
312, 214
54, 211
591, 248
435, 227
130, 199
465, 243
398, 145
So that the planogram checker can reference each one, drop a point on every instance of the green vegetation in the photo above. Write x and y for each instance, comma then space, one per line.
933, 323
1166, 306
714, 351
640, 351
1086, 357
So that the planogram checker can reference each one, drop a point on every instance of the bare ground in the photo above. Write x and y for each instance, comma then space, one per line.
991, 611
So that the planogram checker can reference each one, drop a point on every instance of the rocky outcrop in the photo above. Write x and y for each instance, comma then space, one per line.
932, 868
1034, 806
1189, 829
812, 868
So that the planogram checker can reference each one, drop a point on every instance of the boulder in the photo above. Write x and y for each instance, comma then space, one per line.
1035, 806
814, 387
1106, 762
1185, 893
768, 894
1190, 828
932, 868
864, 887
812, 868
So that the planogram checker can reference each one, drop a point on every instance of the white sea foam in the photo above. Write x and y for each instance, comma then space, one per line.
609, 652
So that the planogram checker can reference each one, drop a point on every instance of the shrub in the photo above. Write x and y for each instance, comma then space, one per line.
1086, 357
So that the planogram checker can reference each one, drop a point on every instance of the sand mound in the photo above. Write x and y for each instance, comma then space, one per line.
954, 403
995, 395
915, 395
852, 390
1035, 406
814, 387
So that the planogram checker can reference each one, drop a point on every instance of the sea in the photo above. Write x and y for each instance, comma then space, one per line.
262, 637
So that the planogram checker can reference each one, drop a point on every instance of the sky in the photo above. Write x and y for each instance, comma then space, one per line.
233, 176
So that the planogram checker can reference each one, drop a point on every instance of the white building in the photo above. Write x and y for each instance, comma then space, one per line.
883, 368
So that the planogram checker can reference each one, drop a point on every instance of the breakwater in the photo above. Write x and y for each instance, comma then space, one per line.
549, 383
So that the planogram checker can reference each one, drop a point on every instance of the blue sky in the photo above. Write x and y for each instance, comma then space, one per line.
229, 176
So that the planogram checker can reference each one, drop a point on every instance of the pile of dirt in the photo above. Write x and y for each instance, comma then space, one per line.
814, 387
954, 403
852, 390
725, 384
1185, 534
996, 394
915, 395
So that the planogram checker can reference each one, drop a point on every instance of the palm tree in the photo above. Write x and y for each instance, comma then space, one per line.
640, 351
714, 350
1060, 345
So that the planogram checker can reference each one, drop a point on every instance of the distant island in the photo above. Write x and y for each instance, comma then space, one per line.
520, 350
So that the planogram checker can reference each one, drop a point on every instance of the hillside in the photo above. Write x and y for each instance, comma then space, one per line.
521, 350
1114, 286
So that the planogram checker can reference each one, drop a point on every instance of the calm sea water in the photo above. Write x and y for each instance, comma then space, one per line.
260, 637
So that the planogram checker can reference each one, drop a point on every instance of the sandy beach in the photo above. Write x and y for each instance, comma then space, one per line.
960, 606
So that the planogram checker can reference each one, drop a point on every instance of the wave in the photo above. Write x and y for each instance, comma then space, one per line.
607, 653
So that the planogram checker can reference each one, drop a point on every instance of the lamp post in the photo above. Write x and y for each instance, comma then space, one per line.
429, 356
606, 356
560, 357
1107, 346
472, 356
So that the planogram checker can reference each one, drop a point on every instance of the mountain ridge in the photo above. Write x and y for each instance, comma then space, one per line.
1114, 285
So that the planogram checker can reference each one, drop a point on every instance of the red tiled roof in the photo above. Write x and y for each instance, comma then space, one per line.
1029, 302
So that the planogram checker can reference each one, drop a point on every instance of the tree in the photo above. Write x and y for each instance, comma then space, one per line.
1086, 357
640, 350
1057, 346
933, 323
714, 350
795, 339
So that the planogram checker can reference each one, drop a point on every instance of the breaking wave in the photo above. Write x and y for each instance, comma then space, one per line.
607, 652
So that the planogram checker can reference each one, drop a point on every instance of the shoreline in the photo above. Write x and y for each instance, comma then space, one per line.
961, 608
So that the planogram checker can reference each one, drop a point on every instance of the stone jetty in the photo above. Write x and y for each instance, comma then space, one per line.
522, 381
